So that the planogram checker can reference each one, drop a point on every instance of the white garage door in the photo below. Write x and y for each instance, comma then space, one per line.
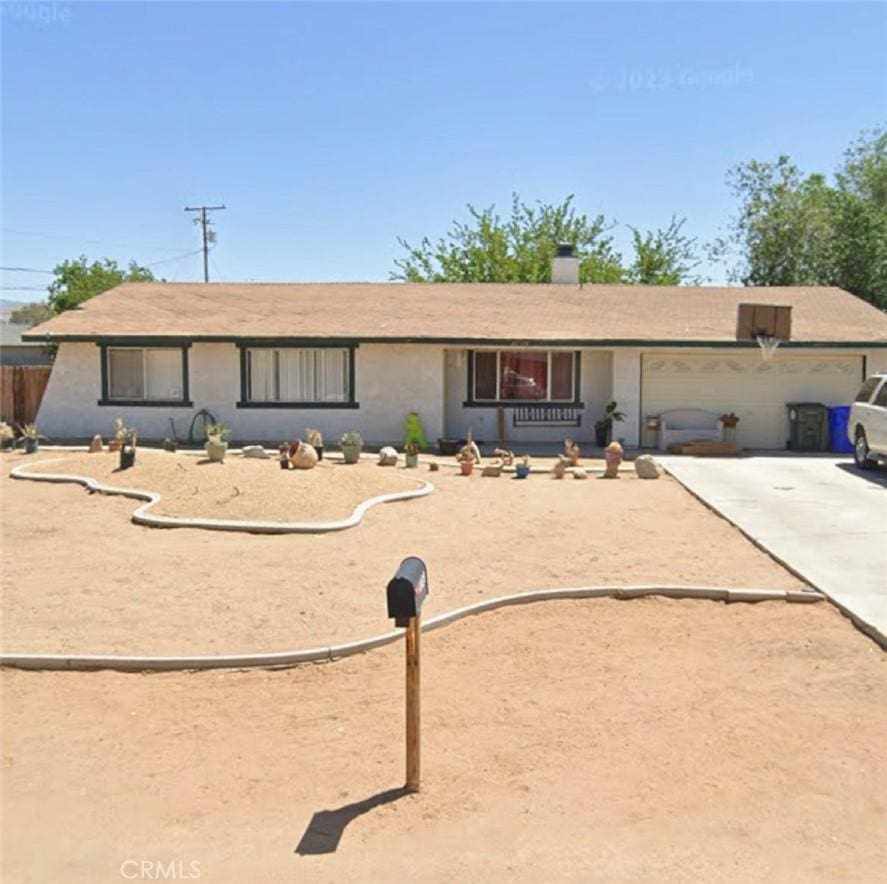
757, 391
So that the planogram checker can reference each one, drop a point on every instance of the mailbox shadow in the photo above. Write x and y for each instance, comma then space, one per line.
327, 826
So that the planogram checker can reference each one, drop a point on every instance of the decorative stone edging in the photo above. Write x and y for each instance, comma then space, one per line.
329, 653
141, 516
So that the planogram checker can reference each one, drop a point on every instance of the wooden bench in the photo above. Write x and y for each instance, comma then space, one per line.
688, 425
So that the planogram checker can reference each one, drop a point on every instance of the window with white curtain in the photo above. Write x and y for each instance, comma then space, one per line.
145, 374
293, 374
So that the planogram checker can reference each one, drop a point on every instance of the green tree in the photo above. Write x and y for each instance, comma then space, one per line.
520, 248
76, 281
796, 229
31, 314
859, 252
663, 257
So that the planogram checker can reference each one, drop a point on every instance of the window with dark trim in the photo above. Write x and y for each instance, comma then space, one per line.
297, 376
142, 375
498, 376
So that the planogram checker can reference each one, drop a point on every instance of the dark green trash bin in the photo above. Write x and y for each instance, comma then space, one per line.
808, 426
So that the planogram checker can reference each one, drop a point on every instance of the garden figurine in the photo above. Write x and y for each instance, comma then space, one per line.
613, 457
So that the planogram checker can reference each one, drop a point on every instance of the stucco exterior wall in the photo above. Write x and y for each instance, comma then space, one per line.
390, 380
875, 361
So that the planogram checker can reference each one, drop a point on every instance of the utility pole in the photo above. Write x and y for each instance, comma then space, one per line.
207, 234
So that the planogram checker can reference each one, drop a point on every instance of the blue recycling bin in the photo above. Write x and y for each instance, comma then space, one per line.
838, 415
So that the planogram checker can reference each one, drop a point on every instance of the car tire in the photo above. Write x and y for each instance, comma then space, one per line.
861, 452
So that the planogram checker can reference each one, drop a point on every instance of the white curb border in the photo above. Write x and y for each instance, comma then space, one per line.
141, 516
329, 653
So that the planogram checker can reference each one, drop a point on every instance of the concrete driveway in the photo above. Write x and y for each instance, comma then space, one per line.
820, 516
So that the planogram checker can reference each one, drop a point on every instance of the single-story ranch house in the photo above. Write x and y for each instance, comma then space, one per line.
534, 363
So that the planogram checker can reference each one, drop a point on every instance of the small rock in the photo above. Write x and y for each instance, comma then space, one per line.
645, 467
255, 451
433, 467
580, 473
388, 456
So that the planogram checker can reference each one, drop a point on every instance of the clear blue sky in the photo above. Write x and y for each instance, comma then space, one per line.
329, 130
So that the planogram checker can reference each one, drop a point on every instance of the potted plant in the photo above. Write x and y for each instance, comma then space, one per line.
411, 455
469, 455
522, 470
603, 428
729, 422
31, 437
315, 440
7, 435
115, 443
351, 444
216, 444
127, 437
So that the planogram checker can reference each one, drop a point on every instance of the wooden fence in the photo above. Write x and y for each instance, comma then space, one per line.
21, 390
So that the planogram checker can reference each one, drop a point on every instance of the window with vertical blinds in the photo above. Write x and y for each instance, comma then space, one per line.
292, 374
145, 374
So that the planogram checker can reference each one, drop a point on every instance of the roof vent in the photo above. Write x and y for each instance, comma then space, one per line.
565, 265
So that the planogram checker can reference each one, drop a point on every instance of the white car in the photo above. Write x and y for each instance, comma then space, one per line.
867, 424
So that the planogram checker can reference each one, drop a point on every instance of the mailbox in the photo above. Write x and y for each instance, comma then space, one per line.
407, 590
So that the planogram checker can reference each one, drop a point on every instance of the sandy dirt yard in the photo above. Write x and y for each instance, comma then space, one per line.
79, 577
650, 740
240, 488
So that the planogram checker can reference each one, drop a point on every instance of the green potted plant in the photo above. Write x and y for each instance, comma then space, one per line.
603, 428
127, 436
351, 444
216, 441
31, 437
411, 455
315, 440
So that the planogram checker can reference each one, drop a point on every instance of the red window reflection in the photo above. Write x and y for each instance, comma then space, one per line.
524, 375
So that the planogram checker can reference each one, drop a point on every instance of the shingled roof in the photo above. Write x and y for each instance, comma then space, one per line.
465, 312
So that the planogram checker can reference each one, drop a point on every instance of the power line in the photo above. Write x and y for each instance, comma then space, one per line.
95, 242
22, 288
175, 258
26, 270
208, 235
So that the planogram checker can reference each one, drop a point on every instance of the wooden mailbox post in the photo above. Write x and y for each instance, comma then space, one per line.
406, 592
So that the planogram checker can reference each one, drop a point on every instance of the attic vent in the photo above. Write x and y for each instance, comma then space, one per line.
772, 320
